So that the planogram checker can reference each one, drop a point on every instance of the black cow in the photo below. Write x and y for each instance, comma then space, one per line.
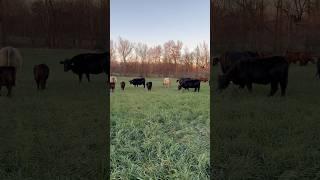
267, 70
41, 74
89, 63
190, 83
230, 58
123, 85
7, 78
138, 81
149, 86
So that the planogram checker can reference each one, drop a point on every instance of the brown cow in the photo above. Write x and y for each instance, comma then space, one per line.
303, 58
7, 78
112, 86
41, 74
203, 79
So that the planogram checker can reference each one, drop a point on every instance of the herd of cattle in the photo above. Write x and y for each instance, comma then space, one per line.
185, 83
240, 68
11, 61
246, 68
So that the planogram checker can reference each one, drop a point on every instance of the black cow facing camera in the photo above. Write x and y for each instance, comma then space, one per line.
123, 85
149, 86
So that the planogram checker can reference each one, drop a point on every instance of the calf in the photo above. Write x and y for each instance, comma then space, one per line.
123, 85
191, 83
149, 86
112, 86
7, 78
41, 74
270, 70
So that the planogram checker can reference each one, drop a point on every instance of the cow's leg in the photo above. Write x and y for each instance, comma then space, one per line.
274, 88
283, 86
0, 90
80, 77
37, 82
88, 77
199, 89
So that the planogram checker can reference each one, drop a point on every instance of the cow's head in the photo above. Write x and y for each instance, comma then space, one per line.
179, 87
223, 82
131, 81
68, 64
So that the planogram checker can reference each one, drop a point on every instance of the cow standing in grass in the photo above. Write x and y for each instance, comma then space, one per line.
166, 82
123, 85
41, 74
138, 81
190, 83
89, 63
113, 79
7, 78
149, 86
271, 70
112, 86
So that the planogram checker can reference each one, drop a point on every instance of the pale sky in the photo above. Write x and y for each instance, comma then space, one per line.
157, 21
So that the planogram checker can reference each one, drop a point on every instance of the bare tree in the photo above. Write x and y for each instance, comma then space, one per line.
124, 48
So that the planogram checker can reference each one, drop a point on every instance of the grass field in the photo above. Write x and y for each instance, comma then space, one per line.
162, 134
256, 137
55, 134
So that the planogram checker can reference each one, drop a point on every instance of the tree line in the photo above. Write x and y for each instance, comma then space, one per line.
171, 59
266, 25
54, 23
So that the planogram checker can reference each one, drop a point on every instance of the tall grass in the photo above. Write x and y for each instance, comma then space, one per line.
162, 134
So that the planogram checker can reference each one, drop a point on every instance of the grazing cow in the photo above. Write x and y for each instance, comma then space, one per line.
112, 86
149, 86
123, 85
7, 78
166, 82
190, 83
41, 74
230, 58
10, 56
270, 70
89, 63
113, 79
318, 68
138, 81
